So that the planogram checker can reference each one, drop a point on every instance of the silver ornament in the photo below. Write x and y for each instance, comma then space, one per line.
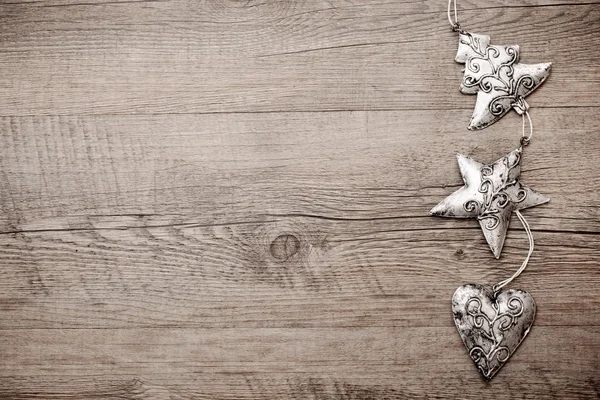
496, 76
492, 326
490, 194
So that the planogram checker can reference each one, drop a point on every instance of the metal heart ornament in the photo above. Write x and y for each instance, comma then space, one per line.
492, 326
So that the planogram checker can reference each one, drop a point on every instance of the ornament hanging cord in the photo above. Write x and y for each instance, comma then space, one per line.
454, 24
496, 288
524, 141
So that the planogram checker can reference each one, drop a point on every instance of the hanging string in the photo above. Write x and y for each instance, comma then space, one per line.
526, 139
505, 282
454, 24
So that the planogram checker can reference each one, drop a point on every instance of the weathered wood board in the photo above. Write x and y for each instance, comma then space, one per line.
229, 200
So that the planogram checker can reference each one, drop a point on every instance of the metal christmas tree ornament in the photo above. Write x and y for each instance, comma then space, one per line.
495, 75
493, 323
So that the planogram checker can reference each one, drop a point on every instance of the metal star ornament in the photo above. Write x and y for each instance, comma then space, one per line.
496, 76
491, 193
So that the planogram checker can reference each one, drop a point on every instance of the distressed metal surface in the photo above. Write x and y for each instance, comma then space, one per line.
490, 194
496, 76
492, 327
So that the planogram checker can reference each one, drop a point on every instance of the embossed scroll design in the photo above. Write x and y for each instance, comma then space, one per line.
496, 198
491, 330
500, 75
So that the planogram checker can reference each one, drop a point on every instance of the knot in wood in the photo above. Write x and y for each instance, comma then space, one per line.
284, 246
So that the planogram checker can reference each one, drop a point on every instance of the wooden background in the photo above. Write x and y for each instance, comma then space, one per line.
219, 199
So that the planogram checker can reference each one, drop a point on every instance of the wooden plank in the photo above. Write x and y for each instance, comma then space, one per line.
138, 171
200, 57
340, 275
288, 363
258, 220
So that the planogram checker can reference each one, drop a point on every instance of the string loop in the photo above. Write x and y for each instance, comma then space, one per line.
497, 287
522, 108
526, 139
454, 24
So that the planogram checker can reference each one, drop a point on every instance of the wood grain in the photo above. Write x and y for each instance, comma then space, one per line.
264, 56
228, 200
317, 363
